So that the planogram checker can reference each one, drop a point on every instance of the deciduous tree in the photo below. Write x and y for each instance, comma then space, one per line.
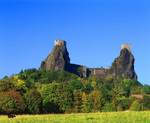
33, 100
77, 100
96, 100
11, 102
56, 95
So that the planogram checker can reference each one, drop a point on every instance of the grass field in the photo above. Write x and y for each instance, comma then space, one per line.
102, 117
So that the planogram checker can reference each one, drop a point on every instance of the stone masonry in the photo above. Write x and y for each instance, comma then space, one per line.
127, 46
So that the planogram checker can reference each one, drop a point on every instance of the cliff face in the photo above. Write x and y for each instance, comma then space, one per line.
57, 60
123, 65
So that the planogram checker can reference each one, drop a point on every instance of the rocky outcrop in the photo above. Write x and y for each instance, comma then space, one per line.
123, 65
57, 60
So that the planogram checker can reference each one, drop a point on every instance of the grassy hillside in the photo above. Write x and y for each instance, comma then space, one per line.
103, 117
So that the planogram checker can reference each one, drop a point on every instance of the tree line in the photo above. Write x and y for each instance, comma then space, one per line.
38, 91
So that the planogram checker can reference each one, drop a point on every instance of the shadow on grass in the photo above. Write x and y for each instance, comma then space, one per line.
90, 118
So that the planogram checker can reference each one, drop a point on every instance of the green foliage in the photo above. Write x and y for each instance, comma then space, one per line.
45, 77
76, 85
6, 86
65, 76
120, 92
136, 106
56, 95
108, 108
108, 83
11, 102
146, 101
136, 90
18, 83
146, 89
22, 75
77, 100
133, 98
51, 76
29, 71
30, 84
98, 117
119, 107
85, 107
33, 100
118, 81
114, 102
105, 92
96, 100
126, 103
57, 92
86, 84
127, 84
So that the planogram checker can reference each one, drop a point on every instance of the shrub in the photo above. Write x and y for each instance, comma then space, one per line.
145, 101
126, 103
108, 108
135, 106
114, 102
119, 107
33, 100
144, 108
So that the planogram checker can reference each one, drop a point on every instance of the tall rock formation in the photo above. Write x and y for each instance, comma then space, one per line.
58, 59
123, 65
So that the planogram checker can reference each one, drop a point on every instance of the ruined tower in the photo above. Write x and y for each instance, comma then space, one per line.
60, 42
127, 46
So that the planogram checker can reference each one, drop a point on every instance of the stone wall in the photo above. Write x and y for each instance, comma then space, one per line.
73, 68
97, 71
84, 71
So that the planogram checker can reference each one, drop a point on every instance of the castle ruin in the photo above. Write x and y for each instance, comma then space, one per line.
102, 71
127, 46
122, 65
60, 42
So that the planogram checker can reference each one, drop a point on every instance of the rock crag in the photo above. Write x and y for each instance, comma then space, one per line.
123, 65
58, 59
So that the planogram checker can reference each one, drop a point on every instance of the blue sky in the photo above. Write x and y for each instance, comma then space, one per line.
93, 29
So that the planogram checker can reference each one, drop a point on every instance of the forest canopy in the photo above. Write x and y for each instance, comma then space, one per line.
39, 91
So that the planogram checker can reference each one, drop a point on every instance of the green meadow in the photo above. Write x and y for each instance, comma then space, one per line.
100, 117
